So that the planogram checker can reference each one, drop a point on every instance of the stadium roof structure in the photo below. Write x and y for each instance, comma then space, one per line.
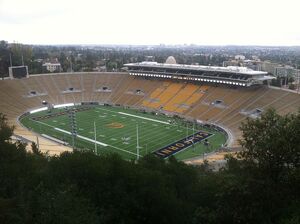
231, 75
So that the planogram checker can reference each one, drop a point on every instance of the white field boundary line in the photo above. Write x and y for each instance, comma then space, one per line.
69, 133
44, 124
87, 139
145, 118
82, 137
93, 141
124, 150
54, 139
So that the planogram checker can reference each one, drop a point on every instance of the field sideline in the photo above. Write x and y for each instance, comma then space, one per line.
116, 131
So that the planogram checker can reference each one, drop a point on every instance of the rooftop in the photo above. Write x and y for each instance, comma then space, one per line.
231, 69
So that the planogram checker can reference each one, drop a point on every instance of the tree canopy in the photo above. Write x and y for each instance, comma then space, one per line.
259, 185
273, 142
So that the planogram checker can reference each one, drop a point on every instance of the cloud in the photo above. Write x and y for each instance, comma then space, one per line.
150, 22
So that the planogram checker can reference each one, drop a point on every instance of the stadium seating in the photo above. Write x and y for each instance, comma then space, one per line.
163, 95
153, 100
179, 100
191, 100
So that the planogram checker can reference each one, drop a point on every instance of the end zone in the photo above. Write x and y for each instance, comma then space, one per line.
182, 144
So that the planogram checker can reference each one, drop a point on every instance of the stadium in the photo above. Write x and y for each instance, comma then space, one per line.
167, 109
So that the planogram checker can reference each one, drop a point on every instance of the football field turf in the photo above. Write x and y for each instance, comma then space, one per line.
117, 129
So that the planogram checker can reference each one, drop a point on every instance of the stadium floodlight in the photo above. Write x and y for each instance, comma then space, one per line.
72, 119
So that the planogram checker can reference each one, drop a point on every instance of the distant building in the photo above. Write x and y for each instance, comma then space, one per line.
239, 57
283, 71
231, 75
279, 70
149, 58
252, 64
100, 69
231, 63
171, 60
52, 66
269, 67
39, 60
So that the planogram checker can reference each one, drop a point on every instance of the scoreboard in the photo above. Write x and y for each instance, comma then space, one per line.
18, 72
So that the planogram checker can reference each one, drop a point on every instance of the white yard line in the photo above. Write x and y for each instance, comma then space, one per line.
145, 118
122, 113
124, 150
69, 133
45, 124
54, 139
85, 138
82, 137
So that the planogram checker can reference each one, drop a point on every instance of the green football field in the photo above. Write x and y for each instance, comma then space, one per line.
116, 131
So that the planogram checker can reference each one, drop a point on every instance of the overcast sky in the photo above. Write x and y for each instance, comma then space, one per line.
204, 22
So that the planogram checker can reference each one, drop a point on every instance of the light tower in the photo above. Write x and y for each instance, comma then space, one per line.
73, 125
137, 143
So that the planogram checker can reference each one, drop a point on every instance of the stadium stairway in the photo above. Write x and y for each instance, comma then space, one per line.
154, 101
174, 105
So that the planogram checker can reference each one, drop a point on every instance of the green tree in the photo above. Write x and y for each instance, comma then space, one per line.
4, 58
272, 142
21, 53
35, 148
65, 64
6, 131
261, 185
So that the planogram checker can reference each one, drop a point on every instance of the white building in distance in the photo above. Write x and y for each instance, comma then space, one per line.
52, 66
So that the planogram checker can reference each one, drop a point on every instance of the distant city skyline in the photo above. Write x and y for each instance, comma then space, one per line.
140, 22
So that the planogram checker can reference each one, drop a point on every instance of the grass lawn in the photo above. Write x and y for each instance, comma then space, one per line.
116, 131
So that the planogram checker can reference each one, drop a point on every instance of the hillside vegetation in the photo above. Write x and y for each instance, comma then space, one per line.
260, 185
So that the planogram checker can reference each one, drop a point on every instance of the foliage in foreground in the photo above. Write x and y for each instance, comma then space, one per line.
261, 186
